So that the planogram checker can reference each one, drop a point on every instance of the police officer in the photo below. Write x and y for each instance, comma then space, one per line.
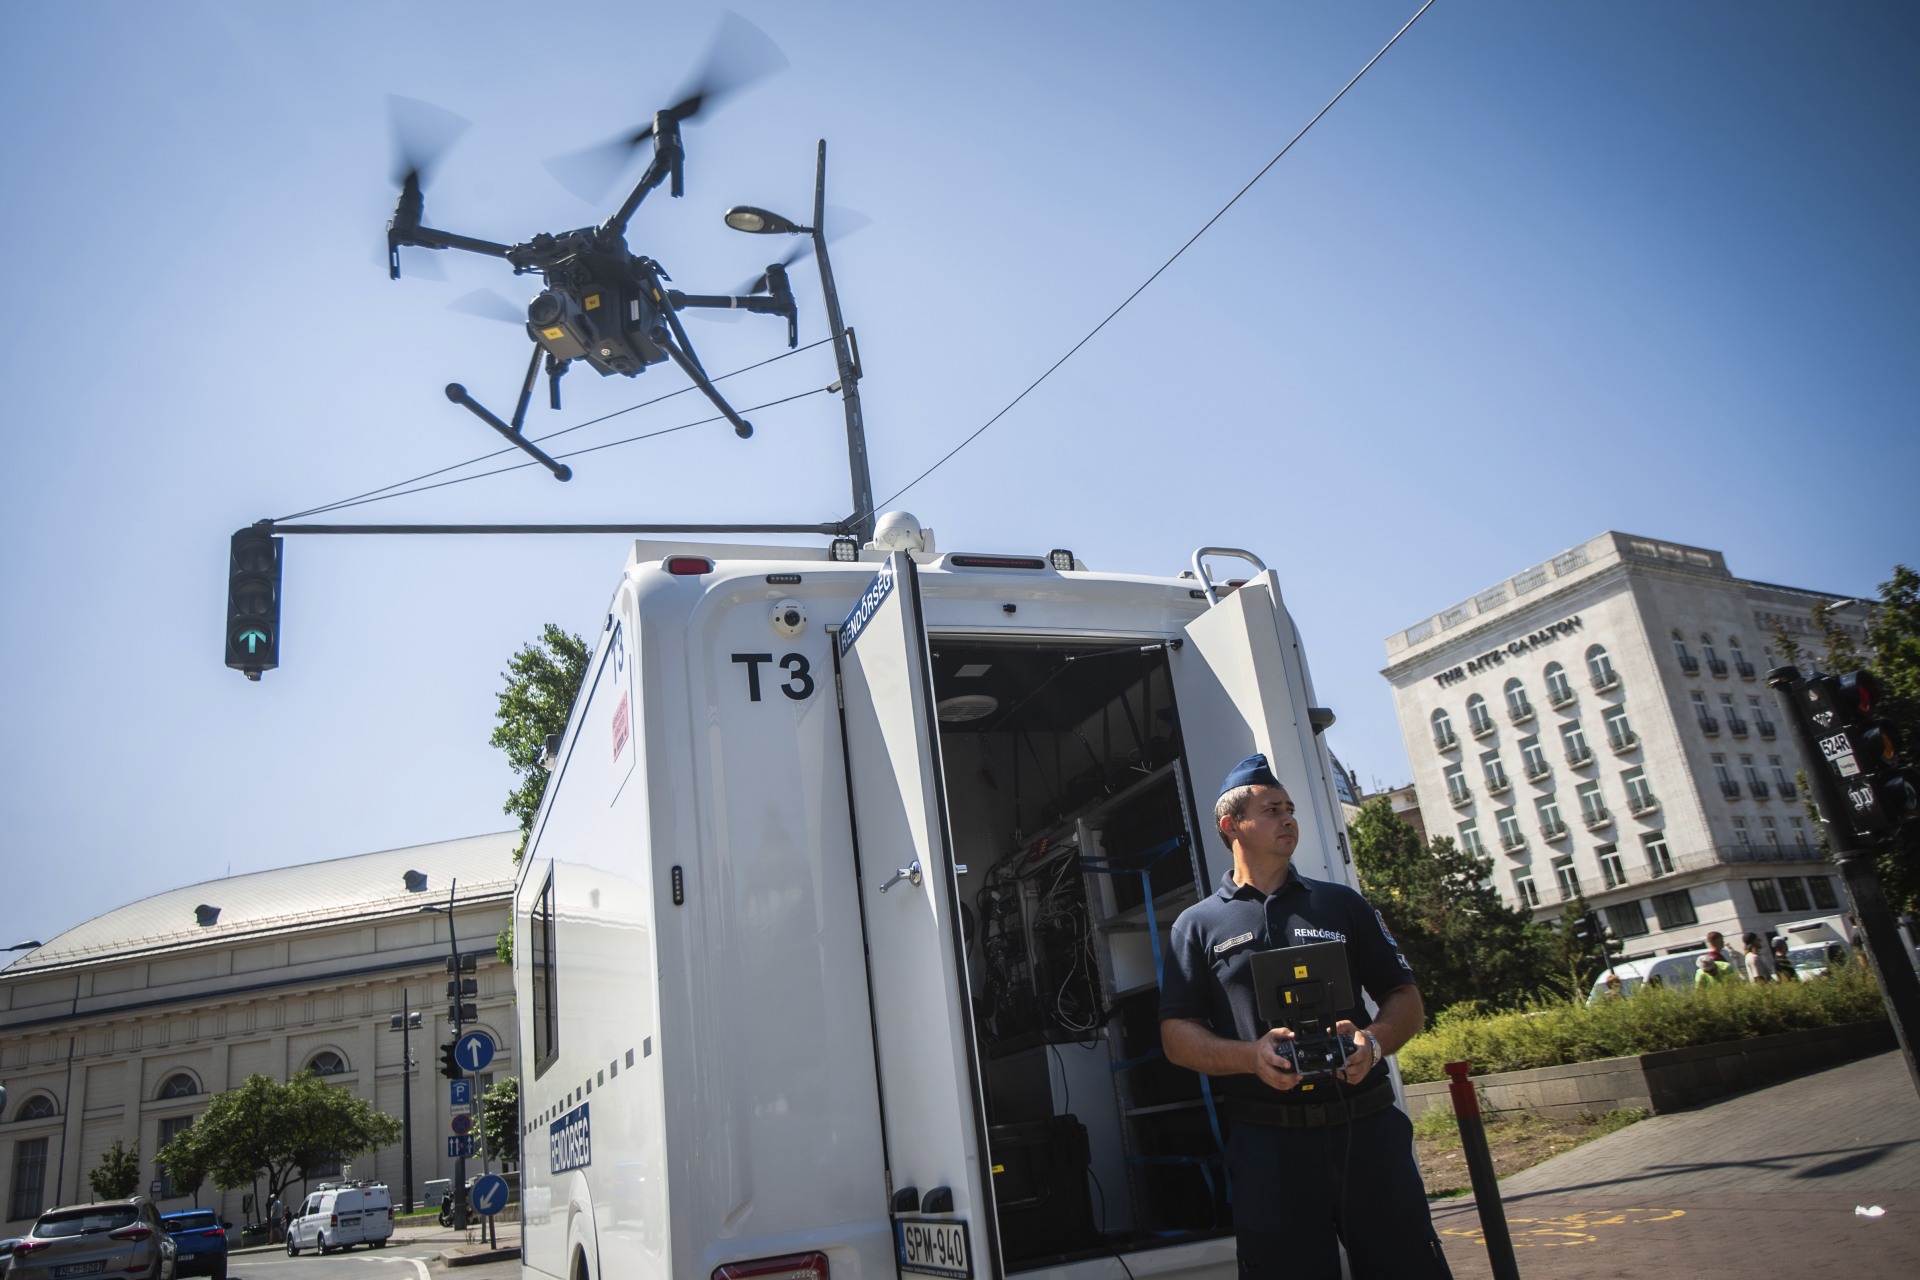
1314, 1165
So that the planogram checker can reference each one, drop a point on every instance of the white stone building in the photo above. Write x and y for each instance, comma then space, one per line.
1600, 724
125, 1026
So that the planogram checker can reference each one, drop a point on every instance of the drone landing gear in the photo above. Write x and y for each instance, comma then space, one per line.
682, 355
458, 394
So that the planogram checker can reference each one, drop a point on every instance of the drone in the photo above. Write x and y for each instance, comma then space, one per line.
603, 304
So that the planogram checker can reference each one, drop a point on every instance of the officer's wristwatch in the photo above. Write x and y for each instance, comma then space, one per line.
1372, 1043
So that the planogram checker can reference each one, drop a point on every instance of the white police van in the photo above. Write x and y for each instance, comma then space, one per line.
837, 938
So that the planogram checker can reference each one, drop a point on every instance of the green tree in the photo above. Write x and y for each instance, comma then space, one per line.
542, 680
117, 1176
1439, 902
500, 1120
266, 1130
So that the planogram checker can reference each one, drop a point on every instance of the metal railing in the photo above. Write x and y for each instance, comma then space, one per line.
1461, 798
1690, 664
1625, 740
1553, 830
1717, 665
1483, 728
1520, 714
1710, 726
1644, 803
1758, 788
1535, 772
1729, 788
1498, 784
1599, 893
1446, 741
1736, 726
1609, 679
1766, 729
1577, 756
1517, 840
1745, 669
1596, 817
1558, 698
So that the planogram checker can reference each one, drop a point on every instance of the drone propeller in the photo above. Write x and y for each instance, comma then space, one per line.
489, 305
741, 54
422, 133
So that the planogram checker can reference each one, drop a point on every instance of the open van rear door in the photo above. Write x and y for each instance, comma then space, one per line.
933, 1122
1242, 688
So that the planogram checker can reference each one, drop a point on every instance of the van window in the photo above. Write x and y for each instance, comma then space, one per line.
546, 1023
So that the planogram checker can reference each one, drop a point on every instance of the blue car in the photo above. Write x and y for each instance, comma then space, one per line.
201, 1239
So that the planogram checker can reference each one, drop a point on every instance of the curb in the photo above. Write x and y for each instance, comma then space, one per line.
484, 1255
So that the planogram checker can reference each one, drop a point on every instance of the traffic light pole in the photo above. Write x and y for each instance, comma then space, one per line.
453, 964
1886, 951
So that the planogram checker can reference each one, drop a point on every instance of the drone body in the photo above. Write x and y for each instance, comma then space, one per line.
604, 304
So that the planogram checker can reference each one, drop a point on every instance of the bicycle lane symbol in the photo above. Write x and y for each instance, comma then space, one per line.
1570, 1229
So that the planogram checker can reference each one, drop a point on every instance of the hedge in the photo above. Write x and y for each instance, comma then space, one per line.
1648, 1021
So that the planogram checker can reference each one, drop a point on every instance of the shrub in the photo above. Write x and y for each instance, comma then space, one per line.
1648, 1021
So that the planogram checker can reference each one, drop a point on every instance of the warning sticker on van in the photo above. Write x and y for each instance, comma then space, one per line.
933, 1248
570, 1140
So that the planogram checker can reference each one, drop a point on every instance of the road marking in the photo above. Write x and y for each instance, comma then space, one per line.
419, 1267
1569, 1229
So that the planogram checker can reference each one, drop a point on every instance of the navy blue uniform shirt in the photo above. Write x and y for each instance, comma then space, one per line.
1209, 972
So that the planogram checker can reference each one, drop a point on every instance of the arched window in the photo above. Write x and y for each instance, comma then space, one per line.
1519, 709
38, 1107
1600, 668
1443, 736
1559, 690
1715, 663
178, 1085
1740, 662
327, 1063
1688, 663
1478, 717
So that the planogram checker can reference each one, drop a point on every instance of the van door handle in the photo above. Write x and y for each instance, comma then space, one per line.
909, 873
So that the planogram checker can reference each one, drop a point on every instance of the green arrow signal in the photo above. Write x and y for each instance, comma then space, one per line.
253, 640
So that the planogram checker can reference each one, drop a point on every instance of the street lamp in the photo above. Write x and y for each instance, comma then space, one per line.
22, 946
764, 222
405, 1022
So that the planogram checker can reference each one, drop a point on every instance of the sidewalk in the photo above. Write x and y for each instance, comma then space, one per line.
1758, 1184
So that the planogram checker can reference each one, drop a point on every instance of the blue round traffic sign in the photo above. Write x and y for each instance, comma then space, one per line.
474, 1051
489, 1195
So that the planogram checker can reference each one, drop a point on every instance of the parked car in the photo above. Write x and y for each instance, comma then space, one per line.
200, 1239
6, 1254
124, 1237
340, 1218
1675, 971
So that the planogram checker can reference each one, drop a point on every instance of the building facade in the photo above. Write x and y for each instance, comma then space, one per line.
126, 1026
1600, 726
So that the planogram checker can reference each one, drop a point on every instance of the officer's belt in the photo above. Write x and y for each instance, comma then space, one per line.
1309, 1115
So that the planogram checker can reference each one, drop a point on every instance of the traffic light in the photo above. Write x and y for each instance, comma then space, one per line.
1586, 929
1861, 748
463, 1013
450, 1065
253, 601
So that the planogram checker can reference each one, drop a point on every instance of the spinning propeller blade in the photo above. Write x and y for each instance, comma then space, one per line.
422, 133
741, 54
489, 305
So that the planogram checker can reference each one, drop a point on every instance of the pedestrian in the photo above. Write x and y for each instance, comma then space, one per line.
1314, 1165
1717, 946
1714, 972
1782, 962
1758, 959
1614, 989
273, 1220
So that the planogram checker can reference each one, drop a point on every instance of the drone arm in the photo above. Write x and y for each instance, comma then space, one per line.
667, 155
777, 306
526, 387
419, 237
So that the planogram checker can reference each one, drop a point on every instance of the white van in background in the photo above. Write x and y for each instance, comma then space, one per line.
342, 1217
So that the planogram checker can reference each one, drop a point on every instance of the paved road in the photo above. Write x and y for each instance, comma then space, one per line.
1764, 1184
414, 1254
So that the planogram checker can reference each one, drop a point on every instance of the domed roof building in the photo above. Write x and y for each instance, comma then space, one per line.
124, 1027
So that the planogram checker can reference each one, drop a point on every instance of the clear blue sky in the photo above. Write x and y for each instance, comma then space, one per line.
1549, 269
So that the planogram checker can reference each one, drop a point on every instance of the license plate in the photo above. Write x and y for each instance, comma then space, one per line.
930, 1247
349, 1222
81, 1268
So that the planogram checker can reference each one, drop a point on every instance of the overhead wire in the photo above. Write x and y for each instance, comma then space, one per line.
1205, 227
372, 495
592, 448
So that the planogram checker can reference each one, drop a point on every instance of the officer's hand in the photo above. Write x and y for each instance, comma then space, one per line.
1360, 1059
1268, 1063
